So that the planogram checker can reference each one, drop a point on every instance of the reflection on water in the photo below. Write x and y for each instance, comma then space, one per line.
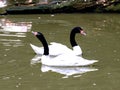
35, 59
13, 34
3, 3
9, 26
67, 71
10, 29
11, 42
6, 41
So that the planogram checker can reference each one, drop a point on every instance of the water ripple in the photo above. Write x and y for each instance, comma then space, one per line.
13, 35
12, 42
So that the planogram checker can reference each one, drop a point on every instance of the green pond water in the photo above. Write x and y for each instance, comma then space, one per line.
102, 43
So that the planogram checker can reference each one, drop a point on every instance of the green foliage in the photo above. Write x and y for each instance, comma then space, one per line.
114, 8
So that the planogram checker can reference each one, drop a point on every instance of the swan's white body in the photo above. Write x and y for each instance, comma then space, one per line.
66, 60
57, 49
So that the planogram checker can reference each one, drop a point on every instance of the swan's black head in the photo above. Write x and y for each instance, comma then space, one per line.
39, 34
74, 31
41, 37
78, 30
36, 33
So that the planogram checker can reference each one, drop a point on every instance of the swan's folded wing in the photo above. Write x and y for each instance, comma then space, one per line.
58, 48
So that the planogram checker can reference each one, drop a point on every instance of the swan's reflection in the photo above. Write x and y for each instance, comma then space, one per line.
66, 71
36, 59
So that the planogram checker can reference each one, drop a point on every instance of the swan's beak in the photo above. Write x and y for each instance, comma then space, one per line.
83, 33
34, 33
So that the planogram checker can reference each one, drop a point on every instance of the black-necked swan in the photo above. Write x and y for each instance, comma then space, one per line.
57, 48
67, 59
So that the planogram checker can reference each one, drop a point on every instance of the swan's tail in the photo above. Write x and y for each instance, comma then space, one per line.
88, 62
92, 62
36, 49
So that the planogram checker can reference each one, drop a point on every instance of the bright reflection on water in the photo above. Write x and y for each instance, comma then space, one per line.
68, 71
7, 27
17, 71
3, 3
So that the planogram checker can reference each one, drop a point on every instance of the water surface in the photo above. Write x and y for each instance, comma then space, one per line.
101, 43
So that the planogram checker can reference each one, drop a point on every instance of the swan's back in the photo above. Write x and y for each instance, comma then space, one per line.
58, 48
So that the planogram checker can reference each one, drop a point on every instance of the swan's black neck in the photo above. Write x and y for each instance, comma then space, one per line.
72, 36
44, 43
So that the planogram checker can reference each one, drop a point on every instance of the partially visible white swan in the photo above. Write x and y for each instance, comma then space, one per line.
67, 59
57, 48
